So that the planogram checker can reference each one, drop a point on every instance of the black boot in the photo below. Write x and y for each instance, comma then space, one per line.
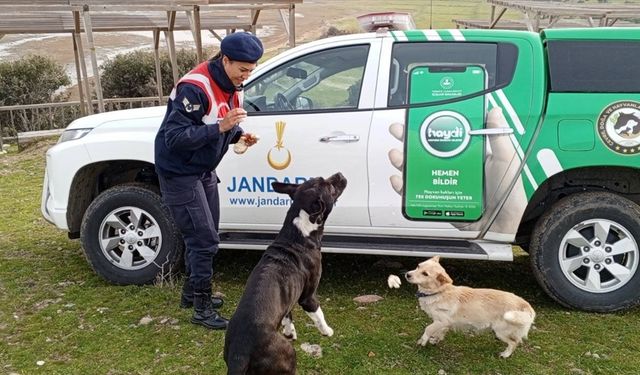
186, 299
204, 313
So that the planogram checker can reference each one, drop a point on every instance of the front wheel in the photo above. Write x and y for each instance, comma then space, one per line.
129, 237
584, 252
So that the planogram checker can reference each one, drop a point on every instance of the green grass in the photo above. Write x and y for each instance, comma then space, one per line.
435, 14
53, 308
420, 10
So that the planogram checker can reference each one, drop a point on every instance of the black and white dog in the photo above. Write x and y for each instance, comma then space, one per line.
288, 273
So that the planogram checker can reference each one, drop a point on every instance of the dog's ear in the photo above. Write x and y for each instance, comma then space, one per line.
338, 183
436, 258
284, 188
443, 278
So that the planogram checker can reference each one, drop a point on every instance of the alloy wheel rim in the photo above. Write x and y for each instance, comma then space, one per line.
598, 256
130, 238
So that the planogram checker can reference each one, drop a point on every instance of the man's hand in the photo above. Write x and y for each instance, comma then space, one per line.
231, 119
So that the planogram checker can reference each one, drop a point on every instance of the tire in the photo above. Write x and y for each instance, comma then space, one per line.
585, 254
129, 237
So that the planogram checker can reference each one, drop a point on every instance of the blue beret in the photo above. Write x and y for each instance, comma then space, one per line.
242, 46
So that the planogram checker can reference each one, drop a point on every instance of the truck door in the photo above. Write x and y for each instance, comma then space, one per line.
448, 136
313, 113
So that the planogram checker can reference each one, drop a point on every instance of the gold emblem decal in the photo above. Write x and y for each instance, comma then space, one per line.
279, 157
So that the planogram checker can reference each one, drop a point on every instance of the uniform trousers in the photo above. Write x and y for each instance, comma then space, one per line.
195, 206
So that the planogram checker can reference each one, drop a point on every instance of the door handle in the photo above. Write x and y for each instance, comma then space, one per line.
491, 131
340, 138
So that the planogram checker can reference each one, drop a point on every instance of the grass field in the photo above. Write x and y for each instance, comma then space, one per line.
54, 309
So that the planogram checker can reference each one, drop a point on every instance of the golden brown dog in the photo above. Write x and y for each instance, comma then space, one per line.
460, 307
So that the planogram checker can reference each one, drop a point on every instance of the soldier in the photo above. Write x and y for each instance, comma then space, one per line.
202, 120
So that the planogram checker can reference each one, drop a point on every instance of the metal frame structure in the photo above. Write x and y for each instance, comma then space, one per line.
538, 15
89, 16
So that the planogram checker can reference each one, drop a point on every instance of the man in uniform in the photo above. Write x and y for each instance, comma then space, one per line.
201, 121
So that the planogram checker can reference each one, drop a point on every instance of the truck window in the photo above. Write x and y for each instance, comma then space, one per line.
329, 79
498, 59
605, 66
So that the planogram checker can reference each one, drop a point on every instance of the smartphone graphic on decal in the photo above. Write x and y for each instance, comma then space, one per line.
443, 168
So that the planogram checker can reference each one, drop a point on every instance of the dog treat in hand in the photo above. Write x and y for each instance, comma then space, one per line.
244, 142
250, 139
393, 281
240, 147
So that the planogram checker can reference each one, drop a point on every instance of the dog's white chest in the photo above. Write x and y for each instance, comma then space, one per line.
433, 309
305, 225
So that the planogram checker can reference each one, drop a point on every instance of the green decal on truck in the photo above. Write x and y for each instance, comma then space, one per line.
619, 127
444, 161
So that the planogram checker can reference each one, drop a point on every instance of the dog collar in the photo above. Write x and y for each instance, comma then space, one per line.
423, 294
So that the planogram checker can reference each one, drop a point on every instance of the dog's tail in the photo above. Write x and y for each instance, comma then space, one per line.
520, 318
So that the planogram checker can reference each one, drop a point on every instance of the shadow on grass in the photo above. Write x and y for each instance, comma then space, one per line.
367, 274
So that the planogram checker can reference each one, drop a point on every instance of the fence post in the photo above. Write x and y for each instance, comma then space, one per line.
47, 116
1, 132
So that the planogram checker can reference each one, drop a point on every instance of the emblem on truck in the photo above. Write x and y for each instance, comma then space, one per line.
619, 127
446, 83
445, 134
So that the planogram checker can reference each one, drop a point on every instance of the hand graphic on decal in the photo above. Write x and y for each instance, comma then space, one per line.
501, 167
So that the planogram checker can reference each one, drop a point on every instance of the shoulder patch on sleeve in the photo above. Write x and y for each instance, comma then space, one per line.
188, 106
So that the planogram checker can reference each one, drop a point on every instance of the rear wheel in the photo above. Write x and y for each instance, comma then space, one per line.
129, 237
585, 252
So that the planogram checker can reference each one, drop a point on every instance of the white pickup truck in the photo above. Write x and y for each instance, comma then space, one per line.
458, 143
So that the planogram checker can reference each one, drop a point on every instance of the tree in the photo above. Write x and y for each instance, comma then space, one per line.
133, 74
31, 80
187, 60
129, 75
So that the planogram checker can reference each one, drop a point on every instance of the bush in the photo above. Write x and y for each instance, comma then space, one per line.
334, 31
128, 75
31, 80
133, 74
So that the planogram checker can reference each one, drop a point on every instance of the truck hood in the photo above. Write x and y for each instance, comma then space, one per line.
94, 121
